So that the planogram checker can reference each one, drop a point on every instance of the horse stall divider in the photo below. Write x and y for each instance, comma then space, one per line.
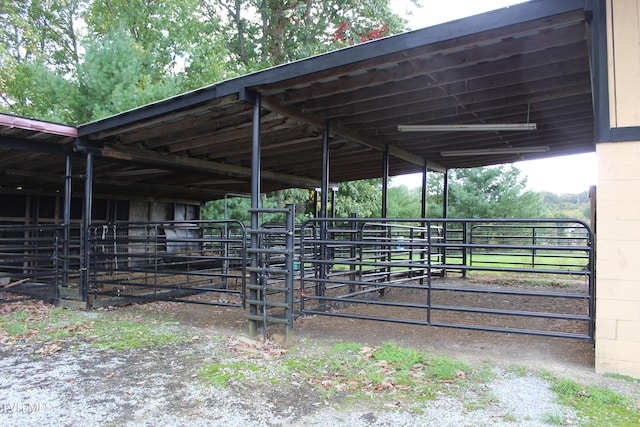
529, 276
199, 262
33, 259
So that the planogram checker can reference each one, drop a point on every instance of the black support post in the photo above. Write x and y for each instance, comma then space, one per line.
324, 201
445, 195
88, 207
424, 191
445, 214
385, 182
324, 190
255, 205
66, 220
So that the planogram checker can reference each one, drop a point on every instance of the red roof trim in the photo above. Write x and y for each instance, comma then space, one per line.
37, 125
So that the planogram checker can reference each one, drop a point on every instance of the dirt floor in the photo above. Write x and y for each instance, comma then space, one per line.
538, 351
534, 351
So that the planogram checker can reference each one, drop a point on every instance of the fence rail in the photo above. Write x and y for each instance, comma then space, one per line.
36, 261
386, 270
439, 272
169, 260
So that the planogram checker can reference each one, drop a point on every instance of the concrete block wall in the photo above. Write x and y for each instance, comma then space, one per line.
618, 259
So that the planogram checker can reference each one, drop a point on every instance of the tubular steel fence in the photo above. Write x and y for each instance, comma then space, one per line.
168, 260
38, 261
401, 270
519, 276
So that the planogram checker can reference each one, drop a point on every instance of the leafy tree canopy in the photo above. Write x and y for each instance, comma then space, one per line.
492, 192
75, 61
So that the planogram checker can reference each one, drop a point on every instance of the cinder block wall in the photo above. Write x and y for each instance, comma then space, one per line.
618, 259
618, 202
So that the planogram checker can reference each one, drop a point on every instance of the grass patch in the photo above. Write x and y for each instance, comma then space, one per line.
222, 374
623, 378
131, 334
48, 327
509, 418
15, 329
597, 406
481, 402
554, 418
349, 369
41, 323
518, 370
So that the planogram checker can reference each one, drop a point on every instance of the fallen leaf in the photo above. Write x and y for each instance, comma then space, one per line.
49, 349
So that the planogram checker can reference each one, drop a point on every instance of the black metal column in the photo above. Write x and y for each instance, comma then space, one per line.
66, 220
324, 190
255, 205
324, 201
385, 182
445, 195
445, 214
289, 266
424, 191
88, 207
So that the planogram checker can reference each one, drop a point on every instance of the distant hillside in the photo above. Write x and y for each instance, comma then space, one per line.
567, 205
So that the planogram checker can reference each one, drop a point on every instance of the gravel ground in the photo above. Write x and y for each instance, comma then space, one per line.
147, 389
79, 384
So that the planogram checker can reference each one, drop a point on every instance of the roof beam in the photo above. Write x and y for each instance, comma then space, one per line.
347, 133
127, 186
34, 146
148, 157
489, 57
450, 36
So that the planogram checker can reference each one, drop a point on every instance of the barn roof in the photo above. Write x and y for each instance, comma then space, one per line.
529, 63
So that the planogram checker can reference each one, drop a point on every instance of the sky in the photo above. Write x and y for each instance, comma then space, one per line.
567, 174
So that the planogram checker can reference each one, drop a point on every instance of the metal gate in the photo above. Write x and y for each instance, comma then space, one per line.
518, 276
200, 262
38, 261
271, 268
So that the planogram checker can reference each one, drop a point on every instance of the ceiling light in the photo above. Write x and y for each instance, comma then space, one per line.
468, 127
493, 151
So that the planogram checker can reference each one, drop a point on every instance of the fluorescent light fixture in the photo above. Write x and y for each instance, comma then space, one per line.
493, 151
468, 128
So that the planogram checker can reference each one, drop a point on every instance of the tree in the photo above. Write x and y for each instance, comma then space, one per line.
492, 192
361, 197
173, 46
139, 51
567, 205
39, 55
230, 208
404, 202
108, 85
264, 33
